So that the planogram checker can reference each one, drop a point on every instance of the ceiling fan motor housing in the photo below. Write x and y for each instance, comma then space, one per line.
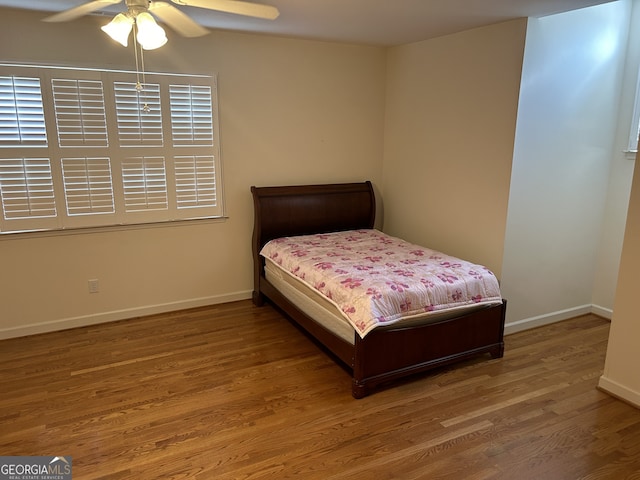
136, 7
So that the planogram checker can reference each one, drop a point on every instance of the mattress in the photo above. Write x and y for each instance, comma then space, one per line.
325, 313
373, 280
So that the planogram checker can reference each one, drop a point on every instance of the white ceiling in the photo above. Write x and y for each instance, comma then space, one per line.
370, 22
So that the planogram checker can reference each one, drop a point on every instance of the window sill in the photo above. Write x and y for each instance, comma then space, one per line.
109, 228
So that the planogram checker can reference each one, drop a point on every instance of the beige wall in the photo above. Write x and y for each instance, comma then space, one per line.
291, 111
620, 375
450, 126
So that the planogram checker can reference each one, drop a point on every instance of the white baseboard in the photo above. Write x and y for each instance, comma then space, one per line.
619, 391
546, 319
602, 311
86, 320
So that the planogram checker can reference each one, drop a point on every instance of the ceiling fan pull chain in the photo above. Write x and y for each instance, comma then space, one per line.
145, 106
135, 51
139, 85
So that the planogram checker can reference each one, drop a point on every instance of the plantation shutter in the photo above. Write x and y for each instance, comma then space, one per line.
193, 131
80, 112
139, 114
122, 152
195, 181
21, 112
191, 120
27, 194
145, 184
88, 187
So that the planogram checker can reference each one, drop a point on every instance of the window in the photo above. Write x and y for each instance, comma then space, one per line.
85, 148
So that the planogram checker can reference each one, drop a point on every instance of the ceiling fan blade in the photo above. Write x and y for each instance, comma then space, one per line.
177, 20
234, 6
80, 10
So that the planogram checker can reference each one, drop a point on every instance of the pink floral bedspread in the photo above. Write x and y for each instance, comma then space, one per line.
376, 279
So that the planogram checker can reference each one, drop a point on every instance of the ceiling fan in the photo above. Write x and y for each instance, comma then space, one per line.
138, 11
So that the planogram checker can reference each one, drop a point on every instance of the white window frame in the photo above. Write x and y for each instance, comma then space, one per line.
632, 146
103, 174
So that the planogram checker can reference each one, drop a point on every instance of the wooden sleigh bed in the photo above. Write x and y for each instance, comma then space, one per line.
384, 354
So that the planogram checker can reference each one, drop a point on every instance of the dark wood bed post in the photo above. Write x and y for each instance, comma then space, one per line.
258, 263
358, 386
498, 350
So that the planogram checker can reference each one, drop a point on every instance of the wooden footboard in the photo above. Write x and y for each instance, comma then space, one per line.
390, 354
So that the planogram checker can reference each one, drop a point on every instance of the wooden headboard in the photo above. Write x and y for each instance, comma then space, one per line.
306, 209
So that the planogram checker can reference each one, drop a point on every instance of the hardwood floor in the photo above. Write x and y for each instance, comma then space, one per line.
236, 392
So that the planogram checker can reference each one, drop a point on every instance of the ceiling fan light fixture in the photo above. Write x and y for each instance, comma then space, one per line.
150, 34
119, 28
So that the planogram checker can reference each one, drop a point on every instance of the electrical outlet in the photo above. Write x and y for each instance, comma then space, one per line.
94, 287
